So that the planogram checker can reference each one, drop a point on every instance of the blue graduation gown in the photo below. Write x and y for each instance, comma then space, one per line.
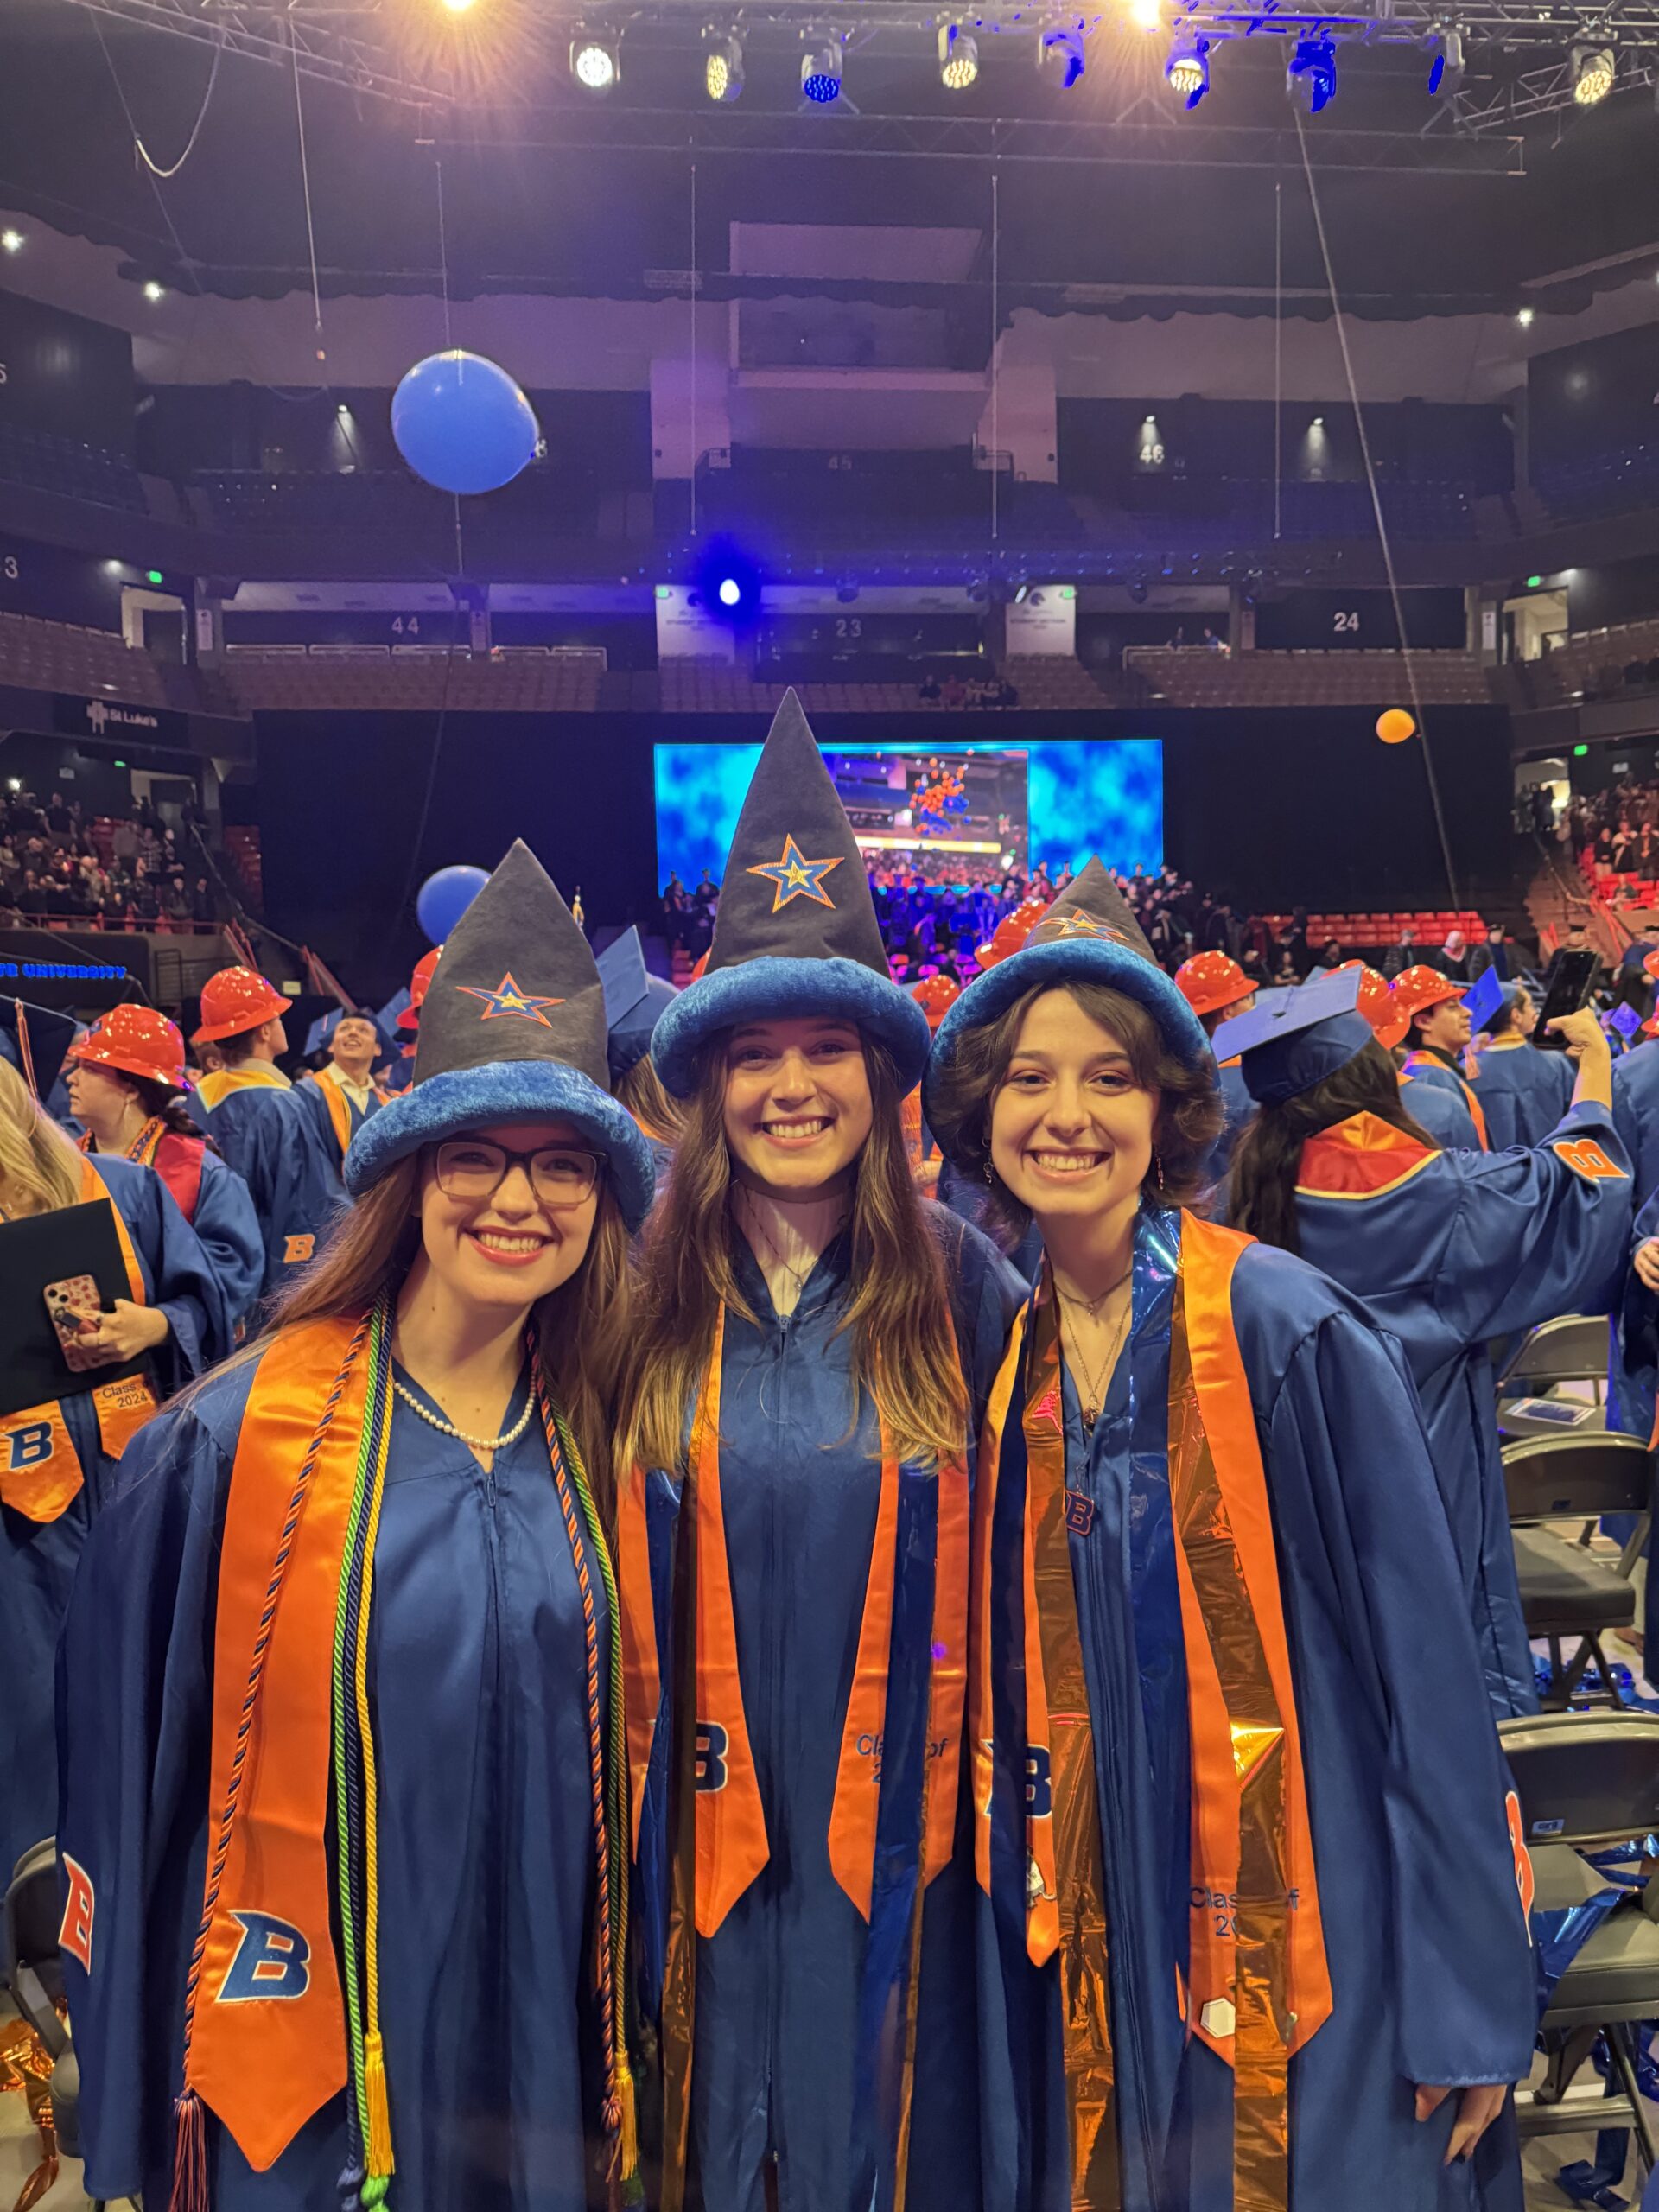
777, 1986
1426, 1940
486, 1852
308, 1093
278, 1147
1439, 1108
228, 1227
38, 1558
1523, 1092
1468, 1247
1635, 1113
1238, 1106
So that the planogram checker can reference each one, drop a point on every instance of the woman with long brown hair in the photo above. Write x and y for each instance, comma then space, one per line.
813, 1347
343, 1767
1254, 1933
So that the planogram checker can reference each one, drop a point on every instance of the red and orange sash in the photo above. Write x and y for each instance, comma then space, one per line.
40, 1471
1361, 1158
266, 2062
1259, 1986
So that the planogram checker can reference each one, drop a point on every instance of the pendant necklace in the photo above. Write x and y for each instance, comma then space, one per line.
1093, 1392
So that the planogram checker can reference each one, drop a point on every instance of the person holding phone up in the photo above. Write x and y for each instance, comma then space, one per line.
1448, 1248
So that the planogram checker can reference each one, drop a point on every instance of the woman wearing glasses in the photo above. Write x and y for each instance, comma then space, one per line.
814, 1348
342, 1835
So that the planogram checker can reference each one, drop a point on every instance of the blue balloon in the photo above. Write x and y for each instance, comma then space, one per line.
462, 424
445, 897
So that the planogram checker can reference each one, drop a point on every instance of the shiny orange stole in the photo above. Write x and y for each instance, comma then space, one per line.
340, 1112
1259, 1983
264, 2066
47, 1477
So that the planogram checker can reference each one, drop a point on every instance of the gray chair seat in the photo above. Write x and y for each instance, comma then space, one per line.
1565, 1590
1614, 1977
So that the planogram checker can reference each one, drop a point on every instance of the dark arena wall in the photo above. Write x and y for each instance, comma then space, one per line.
1278, 807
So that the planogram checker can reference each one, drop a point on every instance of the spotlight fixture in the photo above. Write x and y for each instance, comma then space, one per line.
595, 62
1188, 70
1312, 74
1446, 70
1592, 74
153, 291
958, 57
1524, 316
12, 241
821, 72
1060, 48
722, 68
1146, 14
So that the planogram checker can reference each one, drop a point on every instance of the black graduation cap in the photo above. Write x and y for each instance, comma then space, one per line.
35, 1039
796, 933
1088, 935
512, 1029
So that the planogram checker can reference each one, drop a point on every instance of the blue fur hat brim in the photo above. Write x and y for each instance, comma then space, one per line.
775, 989
1083, 960
506, 1090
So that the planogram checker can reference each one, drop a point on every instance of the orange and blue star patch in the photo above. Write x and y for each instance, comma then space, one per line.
793, 876
509, 1000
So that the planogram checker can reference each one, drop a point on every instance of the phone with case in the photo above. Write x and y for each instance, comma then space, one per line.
67, 1302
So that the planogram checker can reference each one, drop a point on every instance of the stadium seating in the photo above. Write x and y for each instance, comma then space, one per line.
1191, 677
1357, 932
61, 657
72, 470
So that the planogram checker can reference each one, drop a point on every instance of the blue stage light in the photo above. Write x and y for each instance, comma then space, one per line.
730, 591
1312, 75
821, 72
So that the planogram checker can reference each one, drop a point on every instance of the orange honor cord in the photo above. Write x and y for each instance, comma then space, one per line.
1066, 1875
265, 2034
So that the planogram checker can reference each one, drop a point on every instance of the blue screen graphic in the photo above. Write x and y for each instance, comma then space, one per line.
1085, 796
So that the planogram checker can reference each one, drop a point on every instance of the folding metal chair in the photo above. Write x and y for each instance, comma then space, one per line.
1571, 1349
34, 1979
1565, 1590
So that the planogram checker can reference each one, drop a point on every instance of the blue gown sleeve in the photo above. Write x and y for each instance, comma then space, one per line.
1442, 1111
228, 1229
134, 1718
1530, 1234
1354, 1496
181, 1278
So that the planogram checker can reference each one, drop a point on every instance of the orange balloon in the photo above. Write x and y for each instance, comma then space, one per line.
1394, 726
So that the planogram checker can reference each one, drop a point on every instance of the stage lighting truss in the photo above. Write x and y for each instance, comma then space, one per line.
821, 70
1556, 55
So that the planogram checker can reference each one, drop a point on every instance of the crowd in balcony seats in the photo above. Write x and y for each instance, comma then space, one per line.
130, 872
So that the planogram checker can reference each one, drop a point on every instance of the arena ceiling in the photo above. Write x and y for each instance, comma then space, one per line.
1102, 199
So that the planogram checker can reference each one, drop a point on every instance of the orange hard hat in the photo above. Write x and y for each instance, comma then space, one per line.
1650, 965
236, 999
1010, 934
936, 995
419, 983
1210, 981
1379, 1005
135, 1040
1420, 987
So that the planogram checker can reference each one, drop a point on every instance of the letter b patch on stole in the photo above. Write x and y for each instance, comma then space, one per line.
272, 1960
75, 1936
30, 1446
1040, 1789
713, 1744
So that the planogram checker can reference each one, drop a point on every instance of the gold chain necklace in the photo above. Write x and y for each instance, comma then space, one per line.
1096, 1390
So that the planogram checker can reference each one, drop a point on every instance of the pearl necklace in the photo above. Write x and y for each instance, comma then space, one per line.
448, 1428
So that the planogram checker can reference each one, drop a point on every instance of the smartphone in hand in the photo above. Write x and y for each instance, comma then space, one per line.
65, 1304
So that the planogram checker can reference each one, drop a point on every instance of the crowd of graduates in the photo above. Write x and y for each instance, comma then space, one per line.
828, 1590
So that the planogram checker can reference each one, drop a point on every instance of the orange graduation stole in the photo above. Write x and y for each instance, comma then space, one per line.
1259, 1987
724, 1835
40, 1471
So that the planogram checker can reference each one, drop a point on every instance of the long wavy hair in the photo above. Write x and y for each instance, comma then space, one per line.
1261, 1191
581, 1327
40, 1169
899, 1314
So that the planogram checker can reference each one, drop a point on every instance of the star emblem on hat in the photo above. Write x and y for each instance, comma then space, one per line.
507, 1000
793, 876
1078, 924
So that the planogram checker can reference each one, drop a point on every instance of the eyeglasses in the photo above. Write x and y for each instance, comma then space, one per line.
469, 1169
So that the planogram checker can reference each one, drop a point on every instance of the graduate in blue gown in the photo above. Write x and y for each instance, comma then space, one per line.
1449, 1250
341, 1093
1218, 989
1254, 1931
390, 1833
1523, 1091
127, 1091
1437, 1032
59, 1463
793, 1549
286, 1150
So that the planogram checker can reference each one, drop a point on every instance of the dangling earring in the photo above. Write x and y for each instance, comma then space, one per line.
985, 1145
1158, 1162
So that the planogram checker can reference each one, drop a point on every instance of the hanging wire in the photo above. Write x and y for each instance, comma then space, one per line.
305, 174
1407, 654
997, 312
694, 349
149, 159
1278, 356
